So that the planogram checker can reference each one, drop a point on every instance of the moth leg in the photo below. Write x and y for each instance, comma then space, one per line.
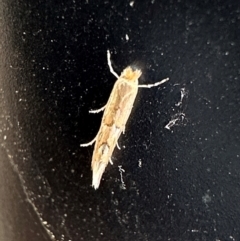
123, 130
98, 110
89, 143
153, 85
110, 65
119, 148
110, 160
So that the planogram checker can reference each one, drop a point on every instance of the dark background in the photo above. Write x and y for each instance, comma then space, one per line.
182, 183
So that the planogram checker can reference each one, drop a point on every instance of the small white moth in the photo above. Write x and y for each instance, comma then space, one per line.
115, 116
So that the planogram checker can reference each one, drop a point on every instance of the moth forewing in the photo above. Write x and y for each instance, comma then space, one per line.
126, 104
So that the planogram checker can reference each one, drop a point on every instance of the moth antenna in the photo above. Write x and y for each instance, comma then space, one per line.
110, 64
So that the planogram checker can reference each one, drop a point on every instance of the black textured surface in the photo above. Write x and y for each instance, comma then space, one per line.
182, 183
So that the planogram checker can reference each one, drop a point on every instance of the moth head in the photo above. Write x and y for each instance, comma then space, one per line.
130, 74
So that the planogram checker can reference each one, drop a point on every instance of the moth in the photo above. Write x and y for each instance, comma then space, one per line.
115, 116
